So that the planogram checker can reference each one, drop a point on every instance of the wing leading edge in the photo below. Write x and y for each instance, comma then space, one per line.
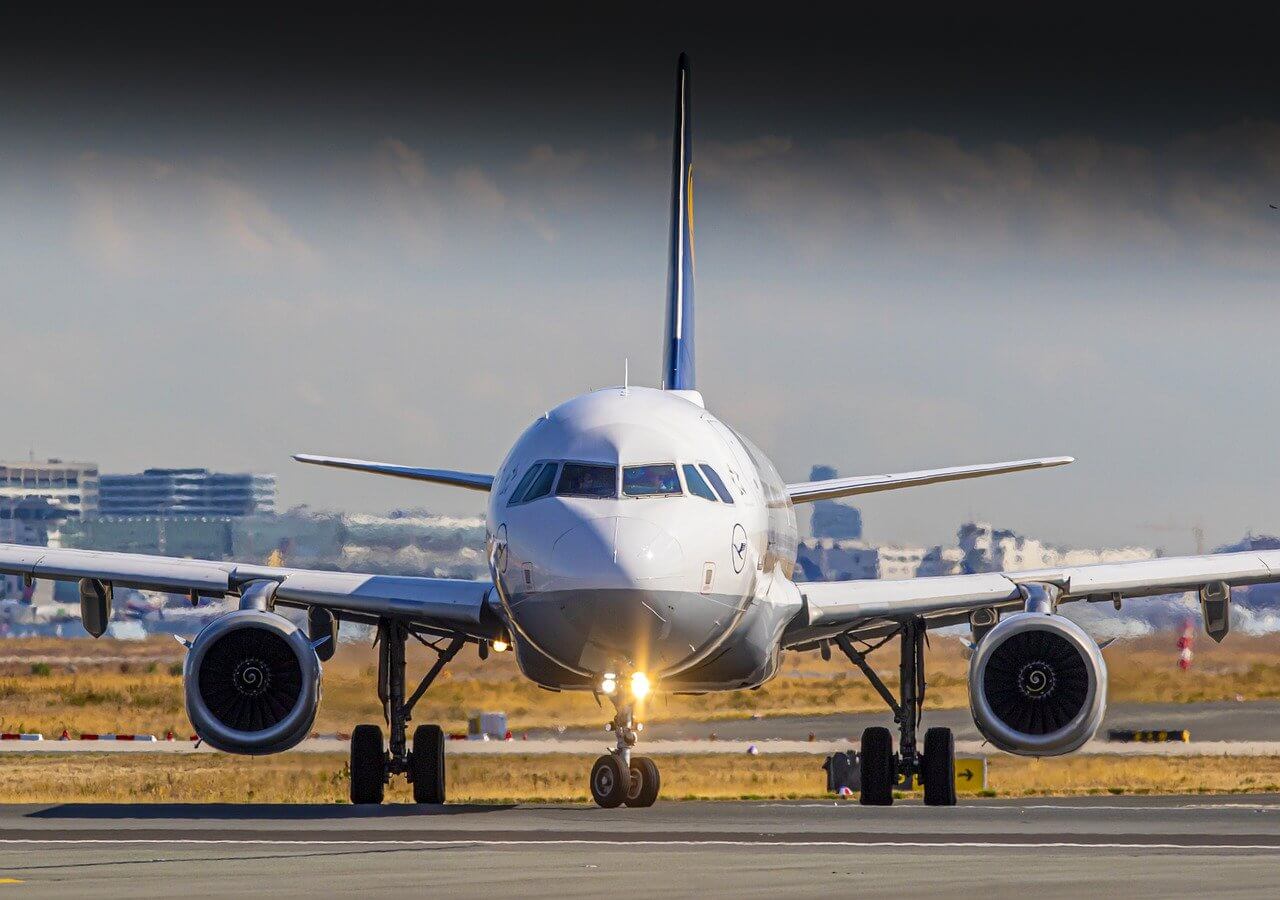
447, 604
471, 480
835, 607
809, 491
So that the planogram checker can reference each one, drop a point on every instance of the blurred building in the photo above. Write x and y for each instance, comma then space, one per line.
979, 548
73, 486
187, 492
30, 521
831, 518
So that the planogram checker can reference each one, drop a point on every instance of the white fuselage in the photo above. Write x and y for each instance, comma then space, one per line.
606, 563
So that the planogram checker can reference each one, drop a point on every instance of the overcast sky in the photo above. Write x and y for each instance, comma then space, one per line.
916, 247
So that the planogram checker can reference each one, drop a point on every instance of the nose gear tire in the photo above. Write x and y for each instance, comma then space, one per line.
645, 783
609, 784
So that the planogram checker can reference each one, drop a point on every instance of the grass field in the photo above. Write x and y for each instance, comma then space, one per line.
322, 778
102, 686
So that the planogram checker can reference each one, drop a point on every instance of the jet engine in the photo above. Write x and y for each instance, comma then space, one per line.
252, 683
1037, 685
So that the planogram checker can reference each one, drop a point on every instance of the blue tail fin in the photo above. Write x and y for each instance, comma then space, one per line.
678, 354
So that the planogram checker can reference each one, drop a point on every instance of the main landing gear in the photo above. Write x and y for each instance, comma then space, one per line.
882, 770
618, 778
372, 765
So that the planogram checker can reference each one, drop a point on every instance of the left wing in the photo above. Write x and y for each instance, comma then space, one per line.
471, 480
809, 491
444, 604
837, 607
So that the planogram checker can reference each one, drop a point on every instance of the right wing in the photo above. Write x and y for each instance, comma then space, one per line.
471, 480
809, 491
443, 604
841, 607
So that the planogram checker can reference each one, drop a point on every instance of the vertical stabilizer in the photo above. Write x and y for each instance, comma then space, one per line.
678, 353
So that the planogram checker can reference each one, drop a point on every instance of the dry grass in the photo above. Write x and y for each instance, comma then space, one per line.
322, 778
47, 685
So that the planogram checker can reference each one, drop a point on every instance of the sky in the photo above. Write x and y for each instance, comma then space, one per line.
918, 244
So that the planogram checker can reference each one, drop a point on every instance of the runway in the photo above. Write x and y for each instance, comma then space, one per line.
1143, 846
1217, 729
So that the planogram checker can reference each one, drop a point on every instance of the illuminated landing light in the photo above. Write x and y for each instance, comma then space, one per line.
499, 646
609, 683
639, 685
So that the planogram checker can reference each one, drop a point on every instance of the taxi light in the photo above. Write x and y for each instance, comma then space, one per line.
639, 685
608, 684
499, 646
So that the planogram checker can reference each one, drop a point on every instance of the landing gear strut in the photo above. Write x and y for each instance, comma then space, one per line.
371, 765
618, 777
881, 769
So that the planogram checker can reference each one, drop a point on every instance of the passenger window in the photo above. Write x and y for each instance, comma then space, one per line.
542, 485
650, 481
582, 480
524, 484
717, 482
697, 484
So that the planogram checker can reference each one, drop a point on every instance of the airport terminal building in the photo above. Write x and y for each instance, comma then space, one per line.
187, 492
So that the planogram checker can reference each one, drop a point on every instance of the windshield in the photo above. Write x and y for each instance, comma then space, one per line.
697, 484
584, 480
650, 481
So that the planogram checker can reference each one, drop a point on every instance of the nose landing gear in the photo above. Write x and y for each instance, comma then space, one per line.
618, 778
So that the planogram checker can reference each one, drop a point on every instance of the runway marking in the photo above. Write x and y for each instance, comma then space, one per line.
1005, 808
539, 842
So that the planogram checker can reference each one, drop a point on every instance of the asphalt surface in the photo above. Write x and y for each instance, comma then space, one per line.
1140, 846
1219, 721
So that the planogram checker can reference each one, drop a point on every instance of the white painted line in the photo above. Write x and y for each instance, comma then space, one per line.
544, 842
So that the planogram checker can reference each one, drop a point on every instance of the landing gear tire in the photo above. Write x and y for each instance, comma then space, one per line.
609, 784
368, 765
938, 768
426, 764
645, 782
877, 767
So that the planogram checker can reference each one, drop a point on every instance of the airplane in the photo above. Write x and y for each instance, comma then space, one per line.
638, 544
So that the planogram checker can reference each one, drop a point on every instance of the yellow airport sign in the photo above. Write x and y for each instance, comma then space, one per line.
971, 774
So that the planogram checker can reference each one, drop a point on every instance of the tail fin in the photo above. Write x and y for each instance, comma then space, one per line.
678, 354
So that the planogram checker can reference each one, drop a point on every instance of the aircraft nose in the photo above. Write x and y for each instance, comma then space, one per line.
615, 552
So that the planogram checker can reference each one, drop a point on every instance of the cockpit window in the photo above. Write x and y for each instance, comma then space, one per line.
650, 481
524, 484
583, 480
697, 484
542, 484
717, 482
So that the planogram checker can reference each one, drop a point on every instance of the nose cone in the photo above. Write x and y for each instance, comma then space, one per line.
614, 553
613, 595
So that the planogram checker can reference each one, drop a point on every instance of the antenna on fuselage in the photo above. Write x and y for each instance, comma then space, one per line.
626, 373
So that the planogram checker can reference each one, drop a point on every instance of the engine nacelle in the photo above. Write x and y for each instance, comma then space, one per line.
252, 683
1037, 685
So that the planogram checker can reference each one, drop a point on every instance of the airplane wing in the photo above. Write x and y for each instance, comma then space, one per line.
470, 480
865, 607
809, 491
443, 604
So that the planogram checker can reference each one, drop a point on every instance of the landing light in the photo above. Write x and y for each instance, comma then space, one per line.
609, 683
639, 685
499, 646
